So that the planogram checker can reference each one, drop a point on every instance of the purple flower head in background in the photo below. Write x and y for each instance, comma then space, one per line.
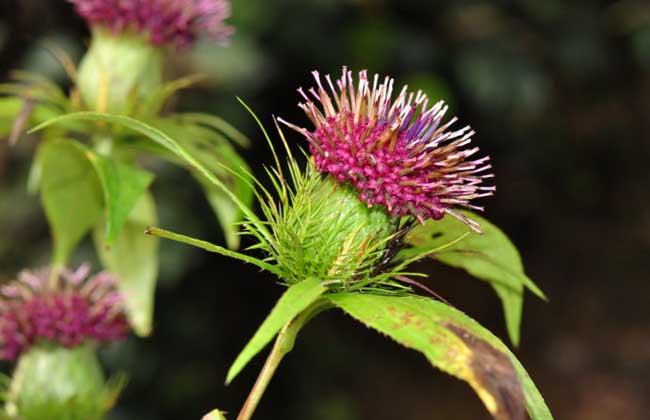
396, 151
177, 22
64, 307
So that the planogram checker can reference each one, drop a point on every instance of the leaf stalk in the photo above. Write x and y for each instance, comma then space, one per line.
282, 346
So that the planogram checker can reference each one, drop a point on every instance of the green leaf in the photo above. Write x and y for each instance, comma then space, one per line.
219, 124
454, 343
237, 180
296, 299
123, 186
71, 194
489, 256
133, 258
167, 142
226, 211
215, 153
214, 415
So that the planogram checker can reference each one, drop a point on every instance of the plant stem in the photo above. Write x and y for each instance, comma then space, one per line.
270, 366
283, 345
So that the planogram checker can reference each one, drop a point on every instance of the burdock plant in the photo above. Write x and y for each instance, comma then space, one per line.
388, 182
91, 175
51, 322
123, 67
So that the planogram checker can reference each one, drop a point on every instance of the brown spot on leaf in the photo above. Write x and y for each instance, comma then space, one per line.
407, 318
435, 340
494, 374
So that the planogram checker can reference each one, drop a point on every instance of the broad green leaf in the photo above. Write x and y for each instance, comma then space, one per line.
167, 142
454, 343
123, 186
295, 300
214, 415
133, 258
489, 256
71, 194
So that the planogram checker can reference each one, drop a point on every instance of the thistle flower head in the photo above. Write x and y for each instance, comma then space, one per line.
64, 307
176, 22
396, 151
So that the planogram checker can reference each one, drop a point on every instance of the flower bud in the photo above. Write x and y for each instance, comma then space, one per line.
52, 382
118, 71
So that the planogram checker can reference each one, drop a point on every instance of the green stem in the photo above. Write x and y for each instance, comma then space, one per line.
283, 345
165, 234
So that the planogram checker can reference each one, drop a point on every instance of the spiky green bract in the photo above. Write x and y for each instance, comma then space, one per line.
56, 383
321, 230
117, 72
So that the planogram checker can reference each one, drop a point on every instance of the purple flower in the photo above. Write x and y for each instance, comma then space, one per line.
176, 22
63, 307
396, 152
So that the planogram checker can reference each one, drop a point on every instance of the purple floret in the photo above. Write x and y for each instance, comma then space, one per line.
65, 308
177, 22
396, 151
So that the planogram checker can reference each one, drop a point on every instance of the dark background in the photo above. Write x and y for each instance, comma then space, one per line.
559, 93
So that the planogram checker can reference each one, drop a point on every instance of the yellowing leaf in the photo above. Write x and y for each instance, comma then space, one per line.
454, 343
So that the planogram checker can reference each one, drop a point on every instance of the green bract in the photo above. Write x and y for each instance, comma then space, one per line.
323, 231
117, 72
56, 383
